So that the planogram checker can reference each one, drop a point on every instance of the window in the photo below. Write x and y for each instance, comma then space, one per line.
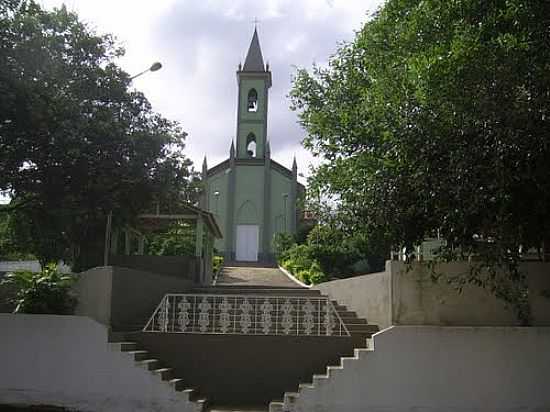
252, 100
251, 145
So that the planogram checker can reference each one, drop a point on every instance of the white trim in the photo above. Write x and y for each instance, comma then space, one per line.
292, 278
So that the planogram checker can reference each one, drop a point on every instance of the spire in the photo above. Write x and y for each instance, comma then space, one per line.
232, 149
294, 165
267, 149
204, 167
254, 61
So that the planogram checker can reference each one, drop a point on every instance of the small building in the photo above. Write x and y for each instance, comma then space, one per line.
252, 196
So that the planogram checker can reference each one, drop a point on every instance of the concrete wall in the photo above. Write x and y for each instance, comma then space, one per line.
186, 267
440, 369
367, 295
30, 265
405, 295
237, 369
124, 298
66, 361
417, 300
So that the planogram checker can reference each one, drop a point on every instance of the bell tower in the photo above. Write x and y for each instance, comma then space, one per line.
254, 81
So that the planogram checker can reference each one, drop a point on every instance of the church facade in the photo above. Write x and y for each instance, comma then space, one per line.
252, 196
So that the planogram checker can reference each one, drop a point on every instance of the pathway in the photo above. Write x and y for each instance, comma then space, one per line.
254, 276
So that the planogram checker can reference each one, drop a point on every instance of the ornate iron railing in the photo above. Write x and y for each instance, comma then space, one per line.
246, 315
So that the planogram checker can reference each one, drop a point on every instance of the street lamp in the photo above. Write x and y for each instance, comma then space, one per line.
217, 194
285, 197
154, 67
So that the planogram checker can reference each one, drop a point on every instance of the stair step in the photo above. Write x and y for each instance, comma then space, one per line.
177, 384
164, 373
149, 364
276, 406
126, 346
138, 355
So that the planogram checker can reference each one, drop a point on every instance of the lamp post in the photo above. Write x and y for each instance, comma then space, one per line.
108, 226
285, 197
217, 195
154, 67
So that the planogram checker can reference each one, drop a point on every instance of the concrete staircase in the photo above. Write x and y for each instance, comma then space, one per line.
287, 404
144, 359
250, 370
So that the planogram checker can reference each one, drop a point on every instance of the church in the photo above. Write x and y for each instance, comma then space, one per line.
252, 196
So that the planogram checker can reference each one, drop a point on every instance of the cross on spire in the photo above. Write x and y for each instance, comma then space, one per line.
255, 21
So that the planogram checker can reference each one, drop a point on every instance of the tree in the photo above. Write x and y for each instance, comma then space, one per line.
75, 141
436, 119
176, 240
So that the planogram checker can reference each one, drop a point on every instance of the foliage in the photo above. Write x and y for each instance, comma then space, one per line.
436, 119
177, 240
46, 292
75, 141
217, 263
282, 242
9, 249
300, 261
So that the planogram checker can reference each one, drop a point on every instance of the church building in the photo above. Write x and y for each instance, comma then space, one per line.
252, 196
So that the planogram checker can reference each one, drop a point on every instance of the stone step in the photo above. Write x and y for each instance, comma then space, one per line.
164, 373
276, 406
138, 355
149, 364
242, 290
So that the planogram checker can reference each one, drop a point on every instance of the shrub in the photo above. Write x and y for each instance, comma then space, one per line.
303, 275
282, 242
45, 292
217, 263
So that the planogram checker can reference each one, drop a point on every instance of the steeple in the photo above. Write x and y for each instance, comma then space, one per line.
232, 150
254, 81
254, 61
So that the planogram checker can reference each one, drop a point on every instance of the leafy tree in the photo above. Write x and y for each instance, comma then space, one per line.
176, 240
436, 119
75, 141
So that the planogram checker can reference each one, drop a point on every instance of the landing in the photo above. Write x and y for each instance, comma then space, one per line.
254, 276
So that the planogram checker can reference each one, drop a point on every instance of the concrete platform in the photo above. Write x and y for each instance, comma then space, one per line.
254, 276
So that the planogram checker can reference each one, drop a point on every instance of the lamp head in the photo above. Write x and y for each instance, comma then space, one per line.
155, 66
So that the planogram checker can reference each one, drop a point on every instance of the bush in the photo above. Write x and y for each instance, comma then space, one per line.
217, 263
45, 292
282, 242
301, 263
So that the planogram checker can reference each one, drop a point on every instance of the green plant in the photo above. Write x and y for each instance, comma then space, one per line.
217, 263
316, 275
282, 242
45, 292
177, 240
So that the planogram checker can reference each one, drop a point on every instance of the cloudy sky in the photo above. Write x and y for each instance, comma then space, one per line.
201, 42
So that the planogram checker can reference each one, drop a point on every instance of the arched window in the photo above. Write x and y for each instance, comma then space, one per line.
251, 145
252, 100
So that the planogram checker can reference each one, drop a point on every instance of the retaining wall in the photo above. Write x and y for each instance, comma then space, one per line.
407, 295
66, 361
440, 369
124, 298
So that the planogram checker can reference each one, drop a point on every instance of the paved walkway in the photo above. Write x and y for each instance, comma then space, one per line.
251, 276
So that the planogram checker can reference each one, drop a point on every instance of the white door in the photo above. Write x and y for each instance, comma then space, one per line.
247, 243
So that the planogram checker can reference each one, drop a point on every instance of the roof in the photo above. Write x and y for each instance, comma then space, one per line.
254, 61
188, 212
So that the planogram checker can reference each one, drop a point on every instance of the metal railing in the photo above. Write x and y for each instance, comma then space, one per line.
246, 315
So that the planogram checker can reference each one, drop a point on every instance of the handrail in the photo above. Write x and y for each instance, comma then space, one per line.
246, 314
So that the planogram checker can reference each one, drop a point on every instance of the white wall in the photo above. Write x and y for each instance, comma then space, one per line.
30, 265
367, 295
66, 361
407, 295
441, 369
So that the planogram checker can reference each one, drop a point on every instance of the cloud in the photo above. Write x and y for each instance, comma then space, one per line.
200, 44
